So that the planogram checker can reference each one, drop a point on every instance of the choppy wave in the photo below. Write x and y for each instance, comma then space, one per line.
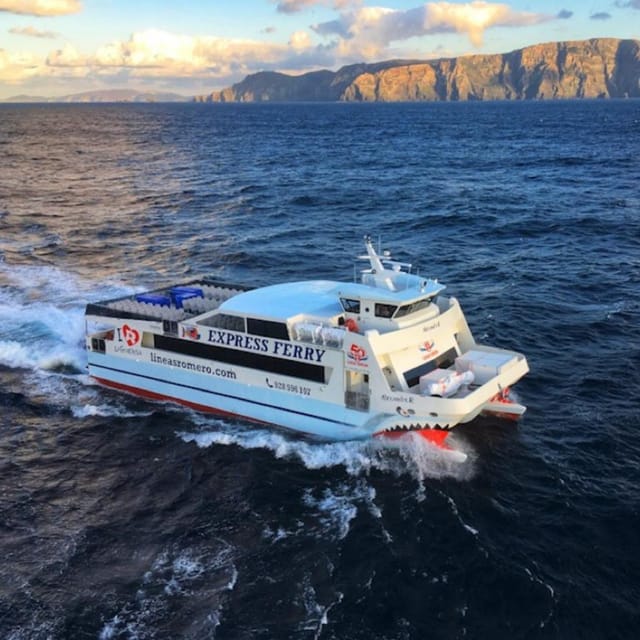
338, 508
177, 575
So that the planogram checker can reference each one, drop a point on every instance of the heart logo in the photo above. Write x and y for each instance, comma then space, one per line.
357, 354
131, 336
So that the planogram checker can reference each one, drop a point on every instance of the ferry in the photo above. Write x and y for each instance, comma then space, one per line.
384, 355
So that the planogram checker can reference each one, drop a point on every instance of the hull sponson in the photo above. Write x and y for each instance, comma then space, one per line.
320, 419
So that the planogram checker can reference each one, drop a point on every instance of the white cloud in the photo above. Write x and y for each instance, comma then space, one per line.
41, 7
32, 32
368, 31
16, 67
65, 57
300, 40
475, 17
159, 57
156, 53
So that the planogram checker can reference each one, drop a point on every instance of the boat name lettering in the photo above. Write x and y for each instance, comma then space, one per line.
264, 345
407, 399
297, 351
238, 340
431, 327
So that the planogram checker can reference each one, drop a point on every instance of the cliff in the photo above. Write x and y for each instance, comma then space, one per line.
597, 68
317, 86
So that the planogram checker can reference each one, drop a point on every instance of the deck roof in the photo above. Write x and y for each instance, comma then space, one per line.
319, 298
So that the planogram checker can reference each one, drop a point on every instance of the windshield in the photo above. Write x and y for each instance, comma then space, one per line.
412, 307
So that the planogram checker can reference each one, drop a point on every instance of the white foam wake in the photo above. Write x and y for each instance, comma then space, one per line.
42, 335
42, 317
411, 455
106, 411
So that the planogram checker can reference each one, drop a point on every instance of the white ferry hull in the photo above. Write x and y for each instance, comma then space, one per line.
315, 418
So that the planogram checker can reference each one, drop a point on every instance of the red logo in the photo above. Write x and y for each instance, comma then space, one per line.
131, 336
428, 346
428, 349
357, 355
191, 332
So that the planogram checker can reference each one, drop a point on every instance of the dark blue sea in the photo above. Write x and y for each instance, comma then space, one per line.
121, 518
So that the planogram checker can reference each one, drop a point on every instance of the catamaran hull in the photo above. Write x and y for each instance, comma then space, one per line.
310, 417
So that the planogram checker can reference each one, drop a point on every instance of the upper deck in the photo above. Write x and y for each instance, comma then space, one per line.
387, 298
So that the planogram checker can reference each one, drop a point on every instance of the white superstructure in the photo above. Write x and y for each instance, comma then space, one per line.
338, 360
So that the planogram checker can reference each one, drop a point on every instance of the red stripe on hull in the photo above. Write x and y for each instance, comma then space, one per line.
435, 436
152, 395
503, 415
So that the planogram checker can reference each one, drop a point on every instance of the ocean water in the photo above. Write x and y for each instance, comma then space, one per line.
121, 518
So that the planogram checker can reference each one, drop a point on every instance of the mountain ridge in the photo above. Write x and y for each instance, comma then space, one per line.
104, 95
594, 68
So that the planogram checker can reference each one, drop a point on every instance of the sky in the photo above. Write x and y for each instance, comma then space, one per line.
192, 47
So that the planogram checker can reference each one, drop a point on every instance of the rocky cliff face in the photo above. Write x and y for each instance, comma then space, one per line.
603, 67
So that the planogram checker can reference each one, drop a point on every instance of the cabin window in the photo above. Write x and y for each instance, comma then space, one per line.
350, 305
443, 361
98, 345
224, 321
170, 326
267, 328
406, 309
385, 310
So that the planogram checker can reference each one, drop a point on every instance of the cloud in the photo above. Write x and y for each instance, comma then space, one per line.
32, 32
294, 6
601, 15
564, 14
475, 17
300, 40
369, 30
41, 7
17, 67
155, 53
162, 59
630, 4
68, 56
